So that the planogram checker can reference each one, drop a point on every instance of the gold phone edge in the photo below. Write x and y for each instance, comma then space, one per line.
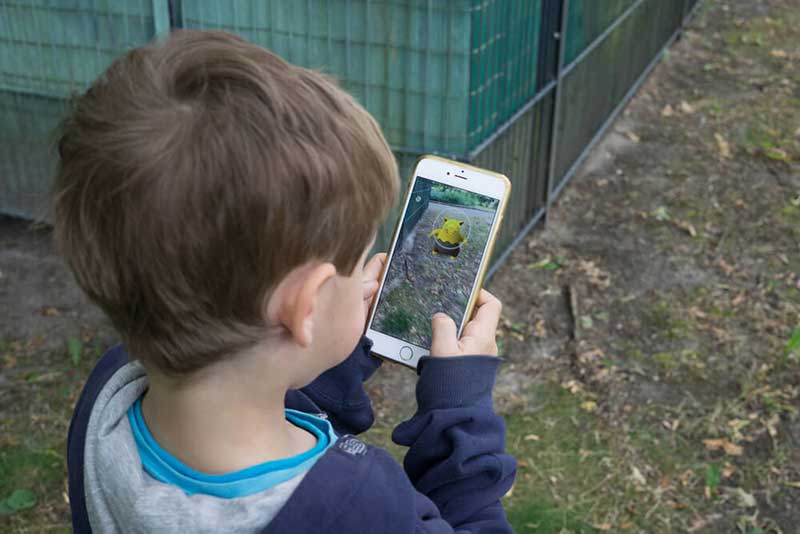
492, 239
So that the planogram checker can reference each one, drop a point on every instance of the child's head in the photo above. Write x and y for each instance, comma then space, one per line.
200, 173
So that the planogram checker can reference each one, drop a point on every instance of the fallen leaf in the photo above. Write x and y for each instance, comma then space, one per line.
723, 146
49, 311
746, 500
793, 484
667, 111
772, 425
686, 107
777, 154
633, 137
603, 526
9, 361
724, 444
697, 524
728, 470
661, 214
597, 277
35, 342
737, 300
589, 405
671, 425
686, 476
740, 203
590, 355
732, 448
539, 329
637, 476
531, 437
725, 266
687, 227
713, 444
780, 54
541, 264
695, 311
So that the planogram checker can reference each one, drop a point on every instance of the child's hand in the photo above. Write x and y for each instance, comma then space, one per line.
372, 271
478, 336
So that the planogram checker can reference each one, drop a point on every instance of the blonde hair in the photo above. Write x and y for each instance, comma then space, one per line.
196, 173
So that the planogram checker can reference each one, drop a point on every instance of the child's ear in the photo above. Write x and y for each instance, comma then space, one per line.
293, 302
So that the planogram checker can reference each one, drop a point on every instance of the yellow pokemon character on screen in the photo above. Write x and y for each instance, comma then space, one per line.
448, 239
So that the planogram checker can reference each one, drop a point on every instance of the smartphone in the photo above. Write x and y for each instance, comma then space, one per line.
438, 257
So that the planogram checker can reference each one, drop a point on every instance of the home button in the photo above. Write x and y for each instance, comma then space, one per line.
406, 353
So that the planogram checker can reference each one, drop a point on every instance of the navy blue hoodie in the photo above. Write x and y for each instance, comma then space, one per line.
452, 478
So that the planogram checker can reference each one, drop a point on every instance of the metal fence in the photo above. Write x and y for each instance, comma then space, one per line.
524, 87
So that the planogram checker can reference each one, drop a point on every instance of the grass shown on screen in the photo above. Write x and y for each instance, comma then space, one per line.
444, 233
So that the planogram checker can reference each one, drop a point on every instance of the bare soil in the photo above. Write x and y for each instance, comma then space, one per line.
421, 283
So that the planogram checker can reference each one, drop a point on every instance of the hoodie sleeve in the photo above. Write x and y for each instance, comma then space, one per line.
339, 391
457, 442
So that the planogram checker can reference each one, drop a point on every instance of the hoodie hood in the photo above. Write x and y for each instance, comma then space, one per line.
122, 497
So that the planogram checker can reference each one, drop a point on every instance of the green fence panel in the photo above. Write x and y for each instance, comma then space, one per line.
51, 49
599, 83
472, 79
588, 19
406, 62
26, 155
55, 48
503, 63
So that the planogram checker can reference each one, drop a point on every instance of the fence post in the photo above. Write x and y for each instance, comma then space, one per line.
161, 22
554, 123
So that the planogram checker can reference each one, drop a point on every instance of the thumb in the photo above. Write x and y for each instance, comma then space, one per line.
444, 341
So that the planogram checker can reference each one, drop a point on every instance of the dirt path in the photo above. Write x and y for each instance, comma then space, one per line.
646, 386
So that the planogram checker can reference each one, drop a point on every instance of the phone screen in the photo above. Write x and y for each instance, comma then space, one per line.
436, 260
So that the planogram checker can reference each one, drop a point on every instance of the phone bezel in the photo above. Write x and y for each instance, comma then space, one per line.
464, 177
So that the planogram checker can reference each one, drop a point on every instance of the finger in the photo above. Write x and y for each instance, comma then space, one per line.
374, 266
444, 341
370, 288
487, 314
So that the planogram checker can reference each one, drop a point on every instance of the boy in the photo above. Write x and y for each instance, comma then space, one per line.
218, 204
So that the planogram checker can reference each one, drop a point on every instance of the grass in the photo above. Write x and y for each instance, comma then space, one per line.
559, 472
397, 322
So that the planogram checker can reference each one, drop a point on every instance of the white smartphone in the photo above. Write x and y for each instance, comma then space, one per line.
438, 257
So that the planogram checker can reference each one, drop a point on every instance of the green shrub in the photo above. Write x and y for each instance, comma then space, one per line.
461, 198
